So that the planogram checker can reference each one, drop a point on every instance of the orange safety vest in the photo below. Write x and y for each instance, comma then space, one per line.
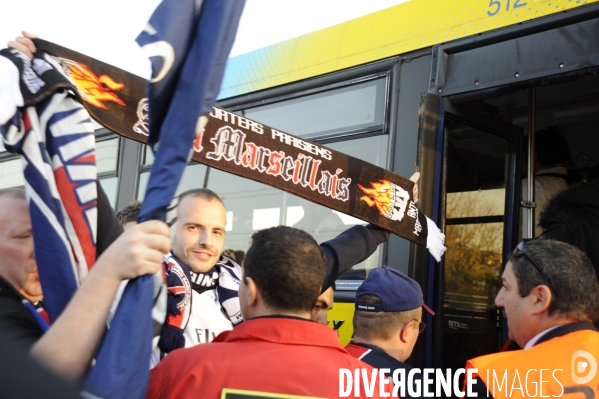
565, 366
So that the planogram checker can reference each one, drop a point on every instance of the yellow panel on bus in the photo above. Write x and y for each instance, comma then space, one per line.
411, 25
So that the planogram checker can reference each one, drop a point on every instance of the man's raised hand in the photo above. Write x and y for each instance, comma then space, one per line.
24, 44
415, 178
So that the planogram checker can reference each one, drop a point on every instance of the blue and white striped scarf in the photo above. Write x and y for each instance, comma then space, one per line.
224, 278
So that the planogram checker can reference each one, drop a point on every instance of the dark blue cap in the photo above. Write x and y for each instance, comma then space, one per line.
398, 292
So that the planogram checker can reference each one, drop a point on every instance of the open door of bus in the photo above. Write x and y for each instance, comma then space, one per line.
470, 168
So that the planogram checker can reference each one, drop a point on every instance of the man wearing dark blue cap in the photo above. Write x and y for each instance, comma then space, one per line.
387, 322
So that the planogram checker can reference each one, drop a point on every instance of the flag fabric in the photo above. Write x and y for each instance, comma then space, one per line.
40, 314
54, 136
188, 49
43, 122
188, 42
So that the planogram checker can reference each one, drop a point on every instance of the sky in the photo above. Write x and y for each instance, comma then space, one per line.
106, 29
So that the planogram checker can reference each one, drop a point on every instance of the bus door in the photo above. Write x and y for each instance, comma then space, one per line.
470, 186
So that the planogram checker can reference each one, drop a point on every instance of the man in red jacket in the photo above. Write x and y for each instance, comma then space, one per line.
277, 350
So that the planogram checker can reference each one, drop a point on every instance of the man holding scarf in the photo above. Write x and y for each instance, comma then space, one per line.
203, 285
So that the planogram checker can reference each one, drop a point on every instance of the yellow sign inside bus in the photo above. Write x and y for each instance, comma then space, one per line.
340, 319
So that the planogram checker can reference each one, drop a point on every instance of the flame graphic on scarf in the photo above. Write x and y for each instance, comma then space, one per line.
94, 89
381, 196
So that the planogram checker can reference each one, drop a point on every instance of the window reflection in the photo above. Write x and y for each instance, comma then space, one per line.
193, 177
107, 155
11, 174
479, 203
109, 185
357, 106
148, 156
142, 185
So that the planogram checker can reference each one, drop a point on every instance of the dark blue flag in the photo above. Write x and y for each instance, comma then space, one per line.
188, 42
188, 50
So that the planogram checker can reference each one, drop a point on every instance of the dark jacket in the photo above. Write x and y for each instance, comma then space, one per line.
22, 377
379, 359
349, 248
15, 319
572, 216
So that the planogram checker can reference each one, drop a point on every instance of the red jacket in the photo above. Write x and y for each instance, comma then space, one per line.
272, 354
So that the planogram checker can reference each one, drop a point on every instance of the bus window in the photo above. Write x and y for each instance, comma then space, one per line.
106, 155
107, 150
11, 173
356, 107
109, 185
11, 170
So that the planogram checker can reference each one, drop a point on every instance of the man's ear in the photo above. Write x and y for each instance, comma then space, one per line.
541, 296
406, 332
252, 291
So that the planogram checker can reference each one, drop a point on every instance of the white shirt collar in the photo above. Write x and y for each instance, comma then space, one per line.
534, 339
